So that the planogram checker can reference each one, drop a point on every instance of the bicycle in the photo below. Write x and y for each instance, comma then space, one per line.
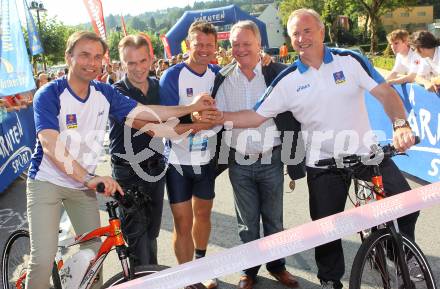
81, 269
386, 258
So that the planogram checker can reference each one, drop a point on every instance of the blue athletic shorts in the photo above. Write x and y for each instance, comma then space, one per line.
200, 183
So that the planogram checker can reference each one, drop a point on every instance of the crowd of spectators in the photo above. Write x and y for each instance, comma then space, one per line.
417, 60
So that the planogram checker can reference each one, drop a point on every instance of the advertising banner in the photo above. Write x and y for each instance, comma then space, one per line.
94, 7
17, 141
423, 111
15, 68
34, 39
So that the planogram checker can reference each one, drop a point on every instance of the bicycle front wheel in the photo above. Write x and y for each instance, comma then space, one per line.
376, 265
139, 271
15, 262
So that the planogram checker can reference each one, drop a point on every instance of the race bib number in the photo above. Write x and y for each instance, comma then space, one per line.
197, 143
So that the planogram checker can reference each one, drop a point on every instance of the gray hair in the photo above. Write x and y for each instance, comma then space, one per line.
300, 12
249, 25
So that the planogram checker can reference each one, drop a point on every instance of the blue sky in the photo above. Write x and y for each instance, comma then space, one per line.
74, 12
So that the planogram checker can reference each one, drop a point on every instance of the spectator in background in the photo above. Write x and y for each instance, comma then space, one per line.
60, 73
428, 47
179, 58
117, 70
284, 52
111, 75
173, 60
42, 79
407, 60
222, 58
162, 66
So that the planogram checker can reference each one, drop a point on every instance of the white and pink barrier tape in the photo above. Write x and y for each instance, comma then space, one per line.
290, 241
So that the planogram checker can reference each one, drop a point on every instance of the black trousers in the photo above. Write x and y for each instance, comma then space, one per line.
327, 196
141, 224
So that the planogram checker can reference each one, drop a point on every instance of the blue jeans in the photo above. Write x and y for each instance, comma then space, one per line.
141, 225
258, 193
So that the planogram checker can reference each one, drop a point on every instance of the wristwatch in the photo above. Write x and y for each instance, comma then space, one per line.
87, 178
400, 123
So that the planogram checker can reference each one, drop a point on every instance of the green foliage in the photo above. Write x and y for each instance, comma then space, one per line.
287, 6
383, 62
113, 39
53, 38
376, 8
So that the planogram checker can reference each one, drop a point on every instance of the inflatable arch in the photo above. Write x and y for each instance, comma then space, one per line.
218, 17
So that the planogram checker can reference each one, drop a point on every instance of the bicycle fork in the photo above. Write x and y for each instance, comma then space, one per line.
121, 249
395, 232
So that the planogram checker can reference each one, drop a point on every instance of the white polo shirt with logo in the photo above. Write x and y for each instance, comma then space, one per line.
328, 102
179, 85
407, 64
430, 67
81, 124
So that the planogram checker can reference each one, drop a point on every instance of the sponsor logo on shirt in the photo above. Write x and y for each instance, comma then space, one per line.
101, 113
71, 121
417, 62
189, 92
339, 77
302, 87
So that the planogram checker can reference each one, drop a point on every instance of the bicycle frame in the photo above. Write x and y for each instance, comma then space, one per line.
379, 194
114, 238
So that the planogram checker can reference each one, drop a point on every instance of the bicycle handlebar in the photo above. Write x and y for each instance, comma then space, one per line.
126, 200
387, 151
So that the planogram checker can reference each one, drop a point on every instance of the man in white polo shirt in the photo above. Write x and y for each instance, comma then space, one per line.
70, 115
428, 46
324, 89
407, 60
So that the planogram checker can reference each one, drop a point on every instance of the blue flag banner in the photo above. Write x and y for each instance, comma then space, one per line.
423, 111
17, 141
15, 68
34, 39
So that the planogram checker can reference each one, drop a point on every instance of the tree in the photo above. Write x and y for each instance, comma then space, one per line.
331, 11
152, 24
113, 39
138, 24
53, 37
111, 21
374, 9
287, 6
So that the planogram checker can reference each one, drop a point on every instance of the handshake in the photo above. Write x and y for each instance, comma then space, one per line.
206, 111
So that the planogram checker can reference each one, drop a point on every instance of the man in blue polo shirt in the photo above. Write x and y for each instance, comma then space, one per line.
190, 178
324, 89
70, 118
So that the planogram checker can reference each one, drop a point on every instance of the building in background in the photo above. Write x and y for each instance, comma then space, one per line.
434, 28
275, 29
411, 18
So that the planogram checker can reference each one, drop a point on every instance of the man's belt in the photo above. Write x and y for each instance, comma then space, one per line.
149, 163
258, 155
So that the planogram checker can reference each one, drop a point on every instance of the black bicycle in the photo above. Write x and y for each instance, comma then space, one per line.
386, 258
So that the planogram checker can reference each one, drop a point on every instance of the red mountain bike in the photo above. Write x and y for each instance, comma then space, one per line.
81, 269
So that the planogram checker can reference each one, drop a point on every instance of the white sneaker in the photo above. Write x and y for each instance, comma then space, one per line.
211, 283
415, 272
327, 285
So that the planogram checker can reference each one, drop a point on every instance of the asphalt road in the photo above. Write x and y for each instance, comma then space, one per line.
224, 233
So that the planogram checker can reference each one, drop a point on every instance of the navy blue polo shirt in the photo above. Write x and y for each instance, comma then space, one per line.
143, 140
